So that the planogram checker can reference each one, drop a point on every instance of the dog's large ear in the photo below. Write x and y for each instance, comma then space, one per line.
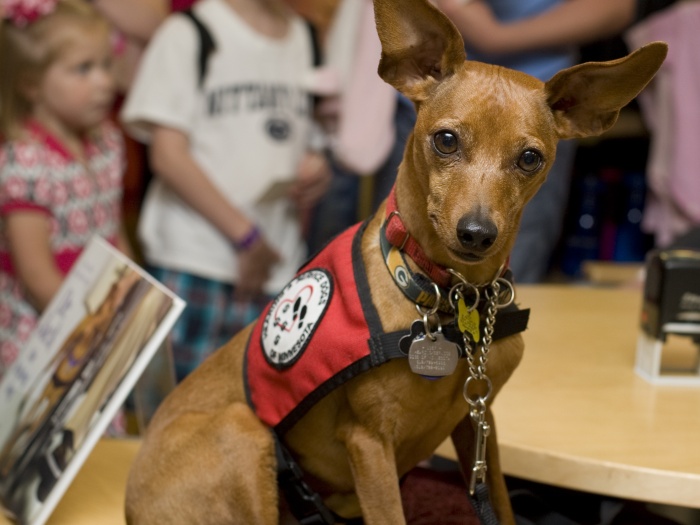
586, 99
420, 45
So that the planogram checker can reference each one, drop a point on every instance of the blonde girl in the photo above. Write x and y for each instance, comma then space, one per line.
61, 159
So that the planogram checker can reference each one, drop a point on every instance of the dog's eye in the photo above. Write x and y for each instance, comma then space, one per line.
530, 161
445, 142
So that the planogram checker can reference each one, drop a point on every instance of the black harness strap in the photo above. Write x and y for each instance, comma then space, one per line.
509, 321
304, 503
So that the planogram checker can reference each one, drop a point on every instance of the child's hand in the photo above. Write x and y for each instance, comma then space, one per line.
313, 179
254, 267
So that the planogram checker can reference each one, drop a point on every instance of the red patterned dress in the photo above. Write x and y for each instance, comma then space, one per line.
79, 199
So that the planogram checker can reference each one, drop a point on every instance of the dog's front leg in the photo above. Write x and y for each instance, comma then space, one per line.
494, 476
376, 481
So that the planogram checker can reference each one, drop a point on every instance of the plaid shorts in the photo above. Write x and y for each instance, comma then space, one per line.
209, 320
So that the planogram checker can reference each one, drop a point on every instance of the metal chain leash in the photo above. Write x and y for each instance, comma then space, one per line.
477, 341
477, 402
492, 294
478, 387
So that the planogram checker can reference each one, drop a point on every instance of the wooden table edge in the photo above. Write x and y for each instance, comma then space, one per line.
595, 476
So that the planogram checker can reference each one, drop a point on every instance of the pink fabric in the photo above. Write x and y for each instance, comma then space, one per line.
79, 199
366, 130
671, 108
40, 174
23, 12
358, 111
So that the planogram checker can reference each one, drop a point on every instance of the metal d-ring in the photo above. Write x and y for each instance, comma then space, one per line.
478, 401
505, 282
464, 282
427, 313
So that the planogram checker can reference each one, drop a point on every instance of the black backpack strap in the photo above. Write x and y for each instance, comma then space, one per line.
317, 55
315, 44
207, 45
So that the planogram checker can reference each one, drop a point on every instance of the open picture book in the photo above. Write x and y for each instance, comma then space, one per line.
71, 379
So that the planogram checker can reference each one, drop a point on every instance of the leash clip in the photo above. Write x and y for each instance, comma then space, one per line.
483, 429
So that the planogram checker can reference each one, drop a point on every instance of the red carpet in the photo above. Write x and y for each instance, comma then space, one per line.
436, 498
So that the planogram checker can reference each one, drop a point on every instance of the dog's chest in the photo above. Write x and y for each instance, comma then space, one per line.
324, 330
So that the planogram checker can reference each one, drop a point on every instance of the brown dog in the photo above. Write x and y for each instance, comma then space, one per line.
484, 140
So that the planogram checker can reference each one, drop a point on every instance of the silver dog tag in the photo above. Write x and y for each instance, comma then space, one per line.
433, 358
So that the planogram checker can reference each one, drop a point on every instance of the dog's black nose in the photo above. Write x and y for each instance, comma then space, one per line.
476, 235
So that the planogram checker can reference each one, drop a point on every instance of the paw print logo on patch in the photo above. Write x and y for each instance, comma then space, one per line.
299, 312
293, 317
291, 312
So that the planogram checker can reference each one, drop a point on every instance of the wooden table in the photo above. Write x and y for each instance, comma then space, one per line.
576, 415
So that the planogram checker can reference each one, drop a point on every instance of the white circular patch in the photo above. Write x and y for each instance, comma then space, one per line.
293, 317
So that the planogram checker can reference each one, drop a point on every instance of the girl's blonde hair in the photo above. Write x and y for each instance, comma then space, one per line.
26, 52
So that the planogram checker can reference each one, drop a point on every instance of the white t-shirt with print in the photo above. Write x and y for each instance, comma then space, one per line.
248, 127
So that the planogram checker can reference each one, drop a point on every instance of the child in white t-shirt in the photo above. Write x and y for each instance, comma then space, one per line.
218, 143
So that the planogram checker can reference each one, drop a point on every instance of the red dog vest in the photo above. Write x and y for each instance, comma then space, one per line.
320, 331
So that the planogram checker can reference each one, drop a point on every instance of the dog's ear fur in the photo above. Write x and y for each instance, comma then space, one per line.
586, 99
420, 46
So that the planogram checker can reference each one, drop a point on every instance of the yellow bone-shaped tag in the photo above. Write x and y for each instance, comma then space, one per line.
467, 321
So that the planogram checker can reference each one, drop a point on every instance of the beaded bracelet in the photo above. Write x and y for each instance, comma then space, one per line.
248, 240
